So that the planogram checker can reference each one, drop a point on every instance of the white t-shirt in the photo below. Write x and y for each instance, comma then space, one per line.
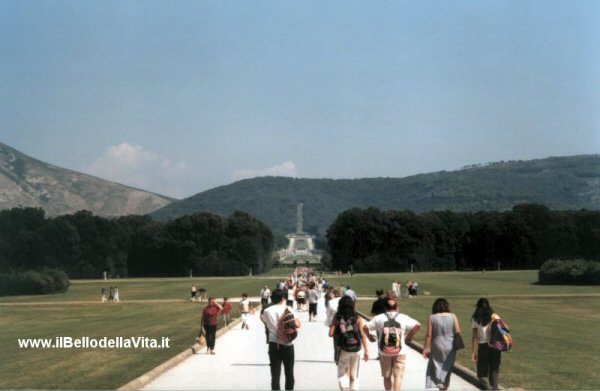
332, 310
483, 332
407, 323
290, 295
266, 293
245, 306
270, 317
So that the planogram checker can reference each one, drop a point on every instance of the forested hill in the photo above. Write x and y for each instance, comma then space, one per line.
28, 182
558, 182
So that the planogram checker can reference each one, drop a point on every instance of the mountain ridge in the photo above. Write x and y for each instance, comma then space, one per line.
571, 182
29, 182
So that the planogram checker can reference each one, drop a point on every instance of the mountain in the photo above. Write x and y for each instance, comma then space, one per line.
27, 182
559, 182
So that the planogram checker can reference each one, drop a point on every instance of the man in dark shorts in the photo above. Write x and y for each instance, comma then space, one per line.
313, 300
301, 298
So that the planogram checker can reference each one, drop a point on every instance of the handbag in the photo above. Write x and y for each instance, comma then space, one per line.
201, 338
458, 342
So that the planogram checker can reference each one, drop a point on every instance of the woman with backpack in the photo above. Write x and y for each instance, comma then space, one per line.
486, 357
347, 328
443, 332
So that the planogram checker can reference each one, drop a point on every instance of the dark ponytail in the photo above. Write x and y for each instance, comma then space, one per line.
483, 312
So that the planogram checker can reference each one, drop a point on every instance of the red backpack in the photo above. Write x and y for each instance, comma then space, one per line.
286, 328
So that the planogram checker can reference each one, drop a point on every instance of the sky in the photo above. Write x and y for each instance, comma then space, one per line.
180, 97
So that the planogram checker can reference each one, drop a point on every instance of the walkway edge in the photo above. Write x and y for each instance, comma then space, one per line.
140, 382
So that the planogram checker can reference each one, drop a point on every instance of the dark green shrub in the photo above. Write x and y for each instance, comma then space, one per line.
32, 282
569, 272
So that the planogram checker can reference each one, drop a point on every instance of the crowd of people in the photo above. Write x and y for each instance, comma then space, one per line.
390, 328
411, 289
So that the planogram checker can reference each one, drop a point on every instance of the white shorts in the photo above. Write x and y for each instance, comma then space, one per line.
348, 361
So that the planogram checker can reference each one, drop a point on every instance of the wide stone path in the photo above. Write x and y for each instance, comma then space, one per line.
241, 363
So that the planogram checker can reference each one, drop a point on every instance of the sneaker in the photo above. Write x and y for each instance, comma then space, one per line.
212, 352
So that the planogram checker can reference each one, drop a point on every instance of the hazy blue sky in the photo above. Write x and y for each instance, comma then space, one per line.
179, 97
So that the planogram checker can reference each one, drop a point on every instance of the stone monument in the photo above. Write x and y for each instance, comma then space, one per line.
300, 243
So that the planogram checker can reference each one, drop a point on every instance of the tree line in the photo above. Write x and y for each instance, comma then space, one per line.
85, 246
374, 240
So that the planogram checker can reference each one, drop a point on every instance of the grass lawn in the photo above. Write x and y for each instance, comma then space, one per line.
91, 368
554, 327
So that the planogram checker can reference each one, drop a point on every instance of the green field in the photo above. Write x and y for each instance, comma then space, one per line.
554, 327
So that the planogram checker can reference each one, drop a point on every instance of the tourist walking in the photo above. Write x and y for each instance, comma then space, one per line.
313, 300
193, 293
301, 298
226, 311
290, 296
103, 292
395, 288
486, 357
245, 309
350, 293
379, 304
443, 333
347, 329
116, 295
328, 296
329, 316
210, 317
265, 294
111, 294
392, 327
282, 327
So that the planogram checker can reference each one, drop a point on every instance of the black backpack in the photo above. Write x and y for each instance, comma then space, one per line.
349, 334
391, 336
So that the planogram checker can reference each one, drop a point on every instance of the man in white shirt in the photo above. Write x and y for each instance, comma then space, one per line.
245, 309
290, 296
392, 364
265, 294
350, 293
279, 351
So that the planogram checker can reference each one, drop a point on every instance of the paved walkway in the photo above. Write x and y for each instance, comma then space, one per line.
241, 363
